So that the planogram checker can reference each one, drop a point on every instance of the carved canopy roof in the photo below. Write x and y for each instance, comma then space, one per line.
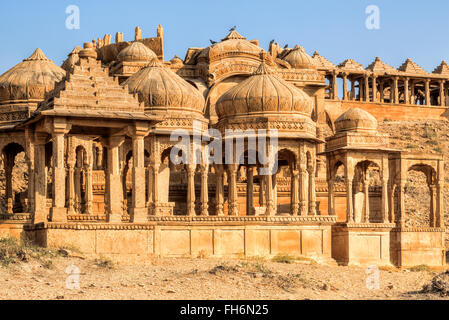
321, 62
410, 67
378, 66
351, 65
442, 69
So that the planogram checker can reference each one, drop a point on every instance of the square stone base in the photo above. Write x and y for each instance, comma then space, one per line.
361, 244
418, 246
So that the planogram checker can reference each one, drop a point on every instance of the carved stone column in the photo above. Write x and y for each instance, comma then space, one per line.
312, 191
412, 92
396, 90
114, 186
334, 86
191, 189
352, 89
89, 188
204, 190
30, 162
381, 91
219, 189
249, 190
232, 190
9, 165
366, 88
433, 205
58, 211
40, 179
440, 204
427, 91
262, 189
384, 209
349, 201
154, 186
138, 210
374, 80
304, 188
345, 86
442, 97
71, 187
401, 187
270, 211
330, 197
406, 91
295, 193
366, 192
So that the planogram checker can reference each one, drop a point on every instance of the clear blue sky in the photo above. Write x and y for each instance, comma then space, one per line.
408, 29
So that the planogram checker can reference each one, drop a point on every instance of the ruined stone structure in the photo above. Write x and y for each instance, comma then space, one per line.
96, 141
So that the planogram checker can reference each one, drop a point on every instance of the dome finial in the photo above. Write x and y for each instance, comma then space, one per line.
37, 55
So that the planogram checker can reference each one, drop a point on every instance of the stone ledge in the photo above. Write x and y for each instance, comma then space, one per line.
87, 226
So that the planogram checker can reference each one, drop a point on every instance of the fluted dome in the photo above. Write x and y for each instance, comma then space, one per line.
356, 120
299, 59
136, 52
161, 89
30, 79
263, 92
233, 43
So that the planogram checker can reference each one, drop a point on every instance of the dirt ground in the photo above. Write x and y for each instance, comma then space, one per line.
201, 279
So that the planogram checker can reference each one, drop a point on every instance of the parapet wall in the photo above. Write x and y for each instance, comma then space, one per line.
382, 111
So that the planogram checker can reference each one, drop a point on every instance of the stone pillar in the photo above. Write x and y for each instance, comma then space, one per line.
442, 97
366, 192
191, 168
330, 197
71, 186
219, 189
138, 210
384, 209
9, 165
40, 179
312, 191
427, 91
349, 202
406, 91
401, 187
250, 190
233, 206
412, 92
352, 89
440, 204
262, 198
433, 205
295, 193
396, 90
204, 190
345, 86
89, 188
77, 177
58, 211
154, 186
114, 188
334, 85
374, 79
367, 88
304, 188
381, 91
392, 207
271, 206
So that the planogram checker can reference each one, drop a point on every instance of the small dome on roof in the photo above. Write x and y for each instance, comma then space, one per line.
136, 52
30, 79
233, 43
299, 59
264, 92
161, 89
356, 120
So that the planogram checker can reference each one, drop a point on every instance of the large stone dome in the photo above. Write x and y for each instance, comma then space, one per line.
136, 52
161, 90
264, 93
356, 120
299, 59
30, 80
